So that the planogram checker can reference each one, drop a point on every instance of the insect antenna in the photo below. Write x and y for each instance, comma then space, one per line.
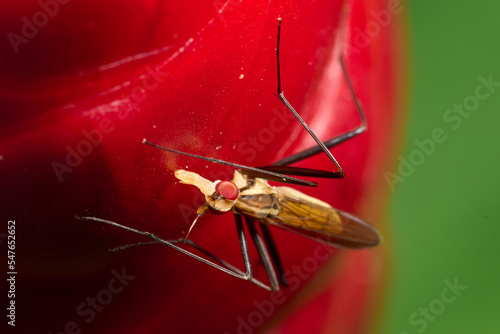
253, 171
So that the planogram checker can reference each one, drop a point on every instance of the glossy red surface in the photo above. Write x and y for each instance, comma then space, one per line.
79, 94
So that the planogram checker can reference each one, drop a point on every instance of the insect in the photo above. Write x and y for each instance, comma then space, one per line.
251, 198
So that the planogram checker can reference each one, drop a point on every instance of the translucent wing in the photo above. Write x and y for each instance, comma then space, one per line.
317, 220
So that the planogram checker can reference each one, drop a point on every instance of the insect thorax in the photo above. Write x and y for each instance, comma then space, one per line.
258, 206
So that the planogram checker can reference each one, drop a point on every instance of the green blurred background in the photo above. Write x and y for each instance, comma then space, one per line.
444, 216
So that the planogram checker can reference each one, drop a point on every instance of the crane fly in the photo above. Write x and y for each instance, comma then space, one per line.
250, 197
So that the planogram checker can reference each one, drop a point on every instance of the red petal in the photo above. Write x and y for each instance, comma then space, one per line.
95, 79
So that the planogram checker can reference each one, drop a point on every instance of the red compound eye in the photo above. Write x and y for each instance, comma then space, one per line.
227, 189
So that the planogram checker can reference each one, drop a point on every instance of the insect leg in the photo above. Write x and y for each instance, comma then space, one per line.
260, 249
299, 156
222, 265
322, 146
283, 99
273, 251
243, 245
263, 254
281, 166
120, 248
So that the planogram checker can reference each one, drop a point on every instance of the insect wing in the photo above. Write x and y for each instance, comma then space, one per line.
323, 223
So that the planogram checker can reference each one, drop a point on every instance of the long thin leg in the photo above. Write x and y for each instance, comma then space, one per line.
222, 266
322, 146
120, 248
283, 99
263, 254
176, 241
261, 245
243, 245
299, 156
273, 250
208, 254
